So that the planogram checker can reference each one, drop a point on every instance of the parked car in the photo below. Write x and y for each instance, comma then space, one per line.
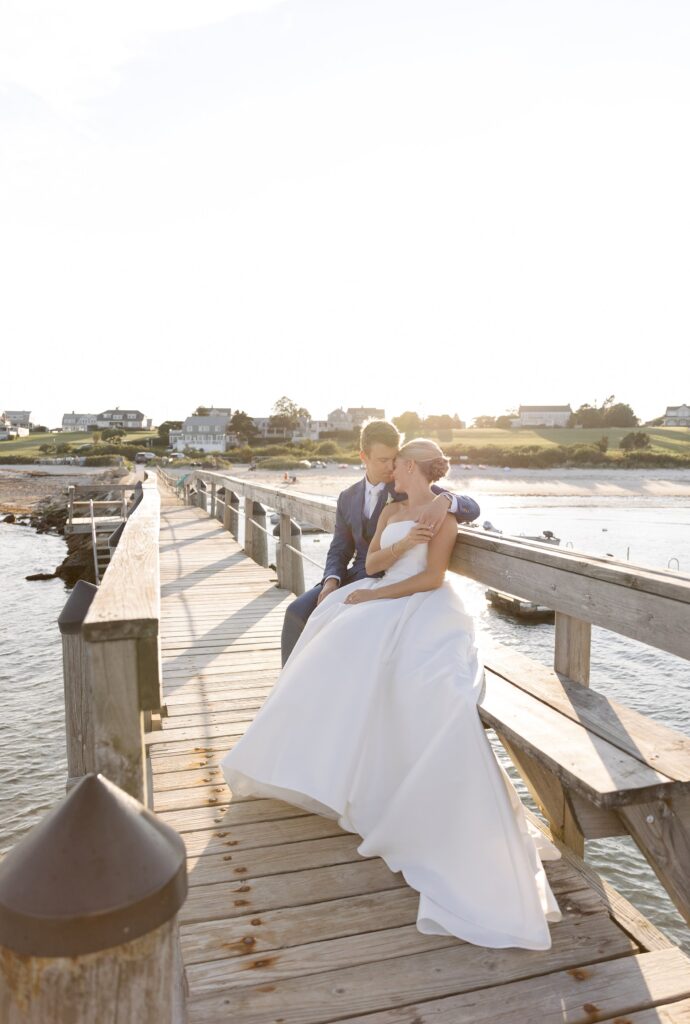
144, 456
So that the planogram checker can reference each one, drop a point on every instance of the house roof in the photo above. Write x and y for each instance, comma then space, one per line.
112, 413
674, 408
544, 408
212, 424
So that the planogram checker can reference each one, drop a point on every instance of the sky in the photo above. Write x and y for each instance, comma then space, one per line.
436, 205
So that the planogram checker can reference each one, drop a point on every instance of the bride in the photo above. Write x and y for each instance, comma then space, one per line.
373, 722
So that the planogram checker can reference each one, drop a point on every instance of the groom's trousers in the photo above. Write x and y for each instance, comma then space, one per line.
296, 619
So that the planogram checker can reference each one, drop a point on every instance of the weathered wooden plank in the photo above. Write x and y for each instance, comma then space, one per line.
297, 888
332, 995
589, 764
225, 816
646, 606
595, 991
256, 835
276, 929
275, 860
665, 749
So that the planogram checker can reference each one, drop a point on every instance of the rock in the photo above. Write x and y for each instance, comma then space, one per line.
10, 518
42, 576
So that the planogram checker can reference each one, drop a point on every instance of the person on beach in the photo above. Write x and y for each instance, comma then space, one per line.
373, 722
357, 515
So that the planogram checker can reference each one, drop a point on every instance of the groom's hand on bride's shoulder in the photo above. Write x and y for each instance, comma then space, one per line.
328, 588
434, 514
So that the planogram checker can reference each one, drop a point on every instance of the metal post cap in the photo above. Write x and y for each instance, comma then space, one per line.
78, 603
98, 871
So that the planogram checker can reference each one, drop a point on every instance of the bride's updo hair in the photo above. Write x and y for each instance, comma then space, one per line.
432, 463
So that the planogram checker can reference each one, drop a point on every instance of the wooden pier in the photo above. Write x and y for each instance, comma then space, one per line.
284, 922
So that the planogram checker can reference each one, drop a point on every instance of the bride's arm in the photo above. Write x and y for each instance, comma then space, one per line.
440, 548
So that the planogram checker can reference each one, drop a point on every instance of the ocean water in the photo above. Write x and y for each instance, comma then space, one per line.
651, 531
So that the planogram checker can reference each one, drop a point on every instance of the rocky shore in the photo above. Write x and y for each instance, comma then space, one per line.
39, 500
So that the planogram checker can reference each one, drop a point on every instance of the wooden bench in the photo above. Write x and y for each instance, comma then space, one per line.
594, 767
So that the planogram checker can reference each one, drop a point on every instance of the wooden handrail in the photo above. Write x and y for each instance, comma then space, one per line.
122, 646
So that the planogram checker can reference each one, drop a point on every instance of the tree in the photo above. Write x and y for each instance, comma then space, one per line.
484, 422
409, 424
635, 439
165, 428
287, 414
96, 436
587, 416
620, 415
201, 410
603, 443
505, 422
243, 425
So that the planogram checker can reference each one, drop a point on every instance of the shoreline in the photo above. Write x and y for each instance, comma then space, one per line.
518, 483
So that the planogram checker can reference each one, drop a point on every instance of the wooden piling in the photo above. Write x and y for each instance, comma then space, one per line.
81, 939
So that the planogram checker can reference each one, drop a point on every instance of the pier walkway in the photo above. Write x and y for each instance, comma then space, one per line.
284, 922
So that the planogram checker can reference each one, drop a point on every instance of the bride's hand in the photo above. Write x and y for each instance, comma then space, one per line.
359, 596
419, 534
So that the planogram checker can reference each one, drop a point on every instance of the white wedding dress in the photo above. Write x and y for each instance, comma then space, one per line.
373, 721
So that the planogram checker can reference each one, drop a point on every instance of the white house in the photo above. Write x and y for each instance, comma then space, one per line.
543, 416
206, 433
677, 416
80, 421
14, 423
17, 418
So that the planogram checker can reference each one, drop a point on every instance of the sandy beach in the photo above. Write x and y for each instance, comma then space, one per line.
23, 487
585, 483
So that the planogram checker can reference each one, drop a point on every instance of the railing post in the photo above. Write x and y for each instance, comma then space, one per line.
88, 914
78, 709
255, 541
212, 511
70, 504
290, 565
232, 513
572, 648
118, 725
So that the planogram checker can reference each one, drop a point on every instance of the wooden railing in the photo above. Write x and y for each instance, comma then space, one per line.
120, 669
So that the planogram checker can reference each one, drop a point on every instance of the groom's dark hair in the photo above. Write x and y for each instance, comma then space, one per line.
378, 431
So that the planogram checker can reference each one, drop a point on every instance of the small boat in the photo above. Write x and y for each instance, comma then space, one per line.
547, 537
509, 604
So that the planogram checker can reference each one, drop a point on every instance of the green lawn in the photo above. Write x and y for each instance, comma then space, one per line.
667, 440
30, 445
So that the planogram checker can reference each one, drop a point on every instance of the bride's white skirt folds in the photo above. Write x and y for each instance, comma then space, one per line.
373, 721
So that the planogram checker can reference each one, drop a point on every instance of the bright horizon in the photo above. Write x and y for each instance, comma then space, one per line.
441, 206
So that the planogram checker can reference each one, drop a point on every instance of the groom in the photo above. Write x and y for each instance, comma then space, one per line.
357, 514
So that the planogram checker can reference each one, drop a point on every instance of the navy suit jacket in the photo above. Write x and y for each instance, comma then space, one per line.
354, 533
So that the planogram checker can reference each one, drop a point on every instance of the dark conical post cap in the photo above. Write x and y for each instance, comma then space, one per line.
78, 603
99, 870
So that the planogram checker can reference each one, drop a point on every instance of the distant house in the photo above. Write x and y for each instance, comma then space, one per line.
677, 416
14, 423
269, 430
363, 413
126, 419
79, 421
543, 416
206, 433
17, 418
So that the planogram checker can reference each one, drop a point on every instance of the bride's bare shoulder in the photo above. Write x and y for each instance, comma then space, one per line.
394, 510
